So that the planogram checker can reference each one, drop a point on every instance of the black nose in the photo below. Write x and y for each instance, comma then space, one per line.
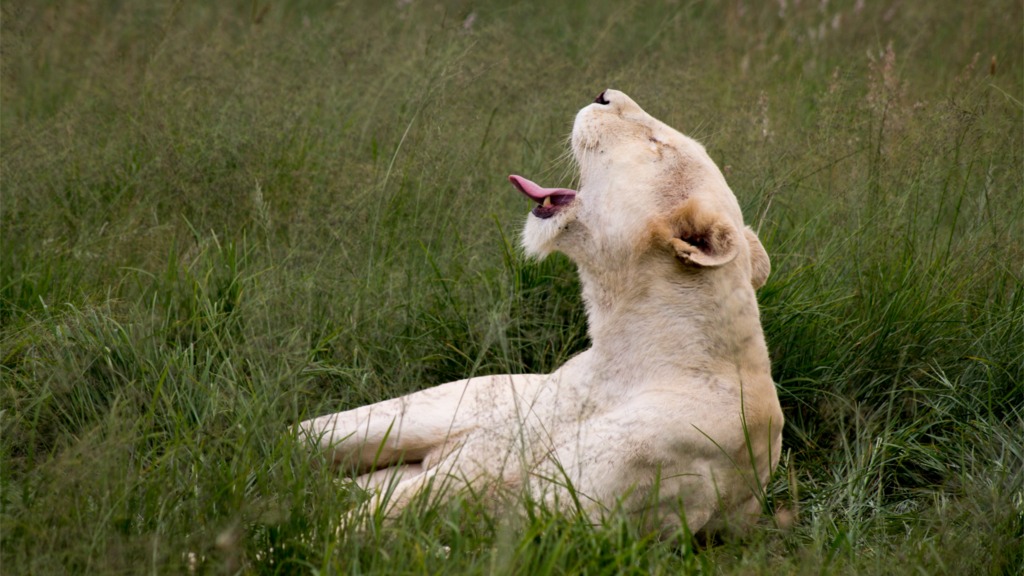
601, 99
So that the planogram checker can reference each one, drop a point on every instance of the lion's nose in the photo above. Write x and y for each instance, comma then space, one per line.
601, 99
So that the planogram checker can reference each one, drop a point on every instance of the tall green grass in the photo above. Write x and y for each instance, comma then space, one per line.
220, 219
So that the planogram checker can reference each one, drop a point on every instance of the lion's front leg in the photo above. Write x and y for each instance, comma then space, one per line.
409, 428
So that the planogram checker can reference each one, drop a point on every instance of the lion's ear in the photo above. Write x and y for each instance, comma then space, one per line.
760, 265
702, 236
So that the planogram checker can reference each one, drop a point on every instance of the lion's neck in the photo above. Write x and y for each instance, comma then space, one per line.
641, 323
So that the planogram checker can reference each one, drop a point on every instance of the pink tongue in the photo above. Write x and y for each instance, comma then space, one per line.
536, 192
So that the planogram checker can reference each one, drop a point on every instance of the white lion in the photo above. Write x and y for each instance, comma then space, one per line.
671, 416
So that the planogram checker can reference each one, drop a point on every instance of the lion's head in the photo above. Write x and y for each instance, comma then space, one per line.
645, 189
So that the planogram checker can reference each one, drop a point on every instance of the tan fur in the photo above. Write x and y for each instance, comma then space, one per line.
671, 414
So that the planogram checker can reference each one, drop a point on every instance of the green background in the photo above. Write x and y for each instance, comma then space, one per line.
221, 218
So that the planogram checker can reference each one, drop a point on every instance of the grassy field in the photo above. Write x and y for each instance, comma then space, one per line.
221, 218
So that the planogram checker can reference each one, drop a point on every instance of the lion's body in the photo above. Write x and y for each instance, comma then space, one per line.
673, 407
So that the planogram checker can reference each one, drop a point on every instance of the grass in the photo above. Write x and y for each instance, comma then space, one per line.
220, 219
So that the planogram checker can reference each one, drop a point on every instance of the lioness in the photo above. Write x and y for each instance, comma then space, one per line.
671, 414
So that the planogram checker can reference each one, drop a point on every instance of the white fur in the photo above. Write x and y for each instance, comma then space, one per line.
671, 414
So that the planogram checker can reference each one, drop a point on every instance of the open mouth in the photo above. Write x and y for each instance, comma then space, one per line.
549, 200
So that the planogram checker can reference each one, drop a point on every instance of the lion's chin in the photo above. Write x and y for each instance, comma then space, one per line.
539, 236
